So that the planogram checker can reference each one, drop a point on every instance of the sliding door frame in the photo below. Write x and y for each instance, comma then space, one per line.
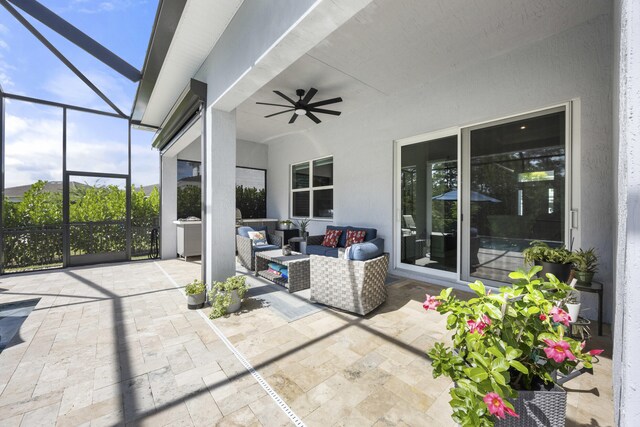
572, 193
397, 194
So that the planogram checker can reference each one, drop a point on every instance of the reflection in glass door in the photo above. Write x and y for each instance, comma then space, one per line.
429, 204
514, 191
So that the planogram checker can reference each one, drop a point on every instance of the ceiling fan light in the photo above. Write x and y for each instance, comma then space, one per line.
301, 111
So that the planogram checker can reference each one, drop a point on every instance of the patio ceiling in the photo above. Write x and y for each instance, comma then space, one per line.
391, 47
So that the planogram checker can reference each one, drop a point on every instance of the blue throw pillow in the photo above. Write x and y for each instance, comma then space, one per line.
367, 250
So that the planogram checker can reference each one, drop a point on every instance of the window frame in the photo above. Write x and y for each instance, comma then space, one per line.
310, 189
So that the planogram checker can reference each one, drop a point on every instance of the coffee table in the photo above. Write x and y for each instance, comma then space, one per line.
296, 263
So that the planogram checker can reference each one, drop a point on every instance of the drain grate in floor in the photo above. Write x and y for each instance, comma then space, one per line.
12, 315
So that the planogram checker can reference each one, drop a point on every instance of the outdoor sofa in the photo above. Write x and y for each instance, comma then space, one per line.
247, 250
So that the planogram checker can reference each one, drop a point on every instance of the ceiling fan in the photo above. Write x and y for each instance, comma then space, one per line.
302, 107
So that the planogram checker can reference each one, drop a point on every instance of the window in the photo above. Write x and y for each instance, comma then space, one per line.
312, 189
251, 192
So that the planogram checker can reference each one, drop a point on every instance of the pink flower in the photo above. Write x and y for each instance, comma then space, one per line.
560, 316
595, 352
496, 406
543, 317
479, 325
558, 351
431, 303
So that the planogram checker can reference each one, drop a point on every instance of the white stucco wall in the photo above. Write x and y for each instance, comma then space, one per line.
627, 147
570, 65
248, 154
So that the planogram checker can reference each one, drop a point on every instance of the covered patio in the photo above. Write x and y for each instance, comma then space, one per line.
115, 344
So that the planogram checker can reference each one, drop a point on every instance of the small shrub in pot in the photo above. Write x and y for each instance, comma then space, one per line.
585, 265
196, 293
226, 296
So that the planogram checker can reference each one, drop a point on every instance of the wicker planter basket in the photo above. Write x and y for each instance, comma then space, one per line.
546, 408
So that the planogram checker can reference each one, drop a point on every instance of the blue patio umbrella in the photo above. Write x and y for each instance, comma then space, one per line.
452, 196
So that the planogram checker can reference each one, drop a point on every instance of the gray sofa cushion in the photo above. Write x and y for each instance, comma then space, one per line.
367, 250
265, 248
316, 250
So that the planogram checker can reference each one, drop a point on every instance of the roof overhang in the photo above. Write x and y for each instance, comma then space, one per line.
164, 27
183, 35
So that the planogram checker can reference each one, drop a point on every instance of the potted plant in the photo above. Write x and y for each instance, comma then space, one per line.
226, 296
573, 306
585, 265
286, 224
556, 261
303, 225
196, 292
508, 349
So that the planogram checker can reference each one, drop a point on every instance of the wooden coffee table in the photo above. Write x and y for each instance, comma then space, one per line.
296, 263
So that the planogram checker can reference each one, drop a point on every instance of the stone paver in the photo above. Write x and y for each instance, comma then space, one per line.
115, 344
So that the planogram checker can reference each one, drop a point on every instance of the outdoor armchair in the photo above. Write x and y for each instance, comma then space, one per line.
246, 249
354, 286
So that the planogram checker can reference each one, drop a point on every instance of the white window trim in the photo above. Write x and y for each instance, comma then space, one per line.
310, 189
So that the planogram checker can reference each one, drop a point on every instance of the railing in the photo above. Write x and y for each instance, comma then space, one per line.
39, 247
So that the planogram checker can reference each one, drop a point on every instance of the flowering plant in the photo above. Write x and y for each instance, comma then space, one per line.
504, 342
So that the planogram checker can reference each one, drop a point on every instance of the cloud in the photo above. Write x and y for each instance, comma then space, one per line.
34, 148
91, 7
5, 67
68, 88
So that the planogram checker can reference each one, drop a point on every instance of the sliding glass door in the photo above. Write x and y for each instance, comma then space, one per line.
513, 191
429, 204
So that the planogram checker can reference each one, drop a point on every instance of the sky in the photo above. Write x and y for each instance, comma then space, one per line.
33, 133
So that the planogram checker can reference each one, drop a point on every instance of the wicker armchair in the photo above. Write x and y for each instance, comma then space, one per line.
246, 250
355, 286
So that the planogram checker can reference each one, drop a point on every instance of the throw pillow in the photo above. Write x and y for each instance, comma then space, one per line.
355, 236
258, 238
331, 238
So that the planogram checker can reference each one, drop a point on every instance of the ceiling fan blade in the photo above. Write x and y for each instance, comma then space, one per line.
312, 92
293, 118
325, 102
313, 117
277, 92
275, 105
323, 111
281, 112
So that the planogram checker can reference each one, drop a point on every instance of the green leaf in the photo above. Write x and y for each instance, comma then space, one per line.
478, 287
517, 275
495, 352
512, 353
499, 377
494, 312
476, 374
519, 366
499, 364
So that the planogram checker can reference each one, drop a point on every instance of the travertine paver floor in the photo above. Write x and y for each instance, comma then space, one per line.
334, 368
115, 343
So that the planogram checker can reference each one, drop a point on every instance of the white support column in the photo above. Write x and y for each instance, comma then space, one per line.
169, 206
626, 379
219, 167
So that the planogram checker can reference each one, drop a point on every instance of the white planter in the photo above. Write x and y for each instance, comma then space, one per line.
195, 301
235, 302
574, 311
